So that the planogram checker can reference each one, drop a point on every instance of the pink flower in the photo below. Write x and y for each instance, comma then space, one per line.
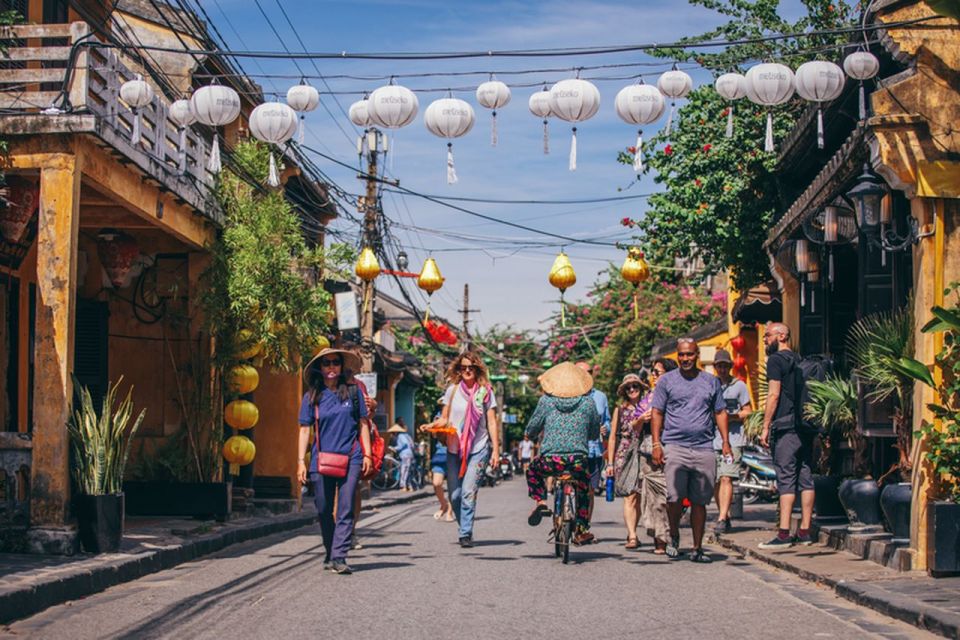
707, 147
668, 150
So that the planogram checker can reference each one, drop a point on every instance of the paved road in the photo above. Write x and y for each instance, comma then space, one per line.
412, 580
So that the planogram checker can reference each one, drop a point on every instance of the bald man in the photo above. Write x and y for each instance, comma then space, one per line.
792, 450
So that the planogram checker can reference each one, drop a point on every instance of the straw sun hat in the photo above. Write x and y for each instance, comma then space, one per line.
565, 380
350, 359
630, 378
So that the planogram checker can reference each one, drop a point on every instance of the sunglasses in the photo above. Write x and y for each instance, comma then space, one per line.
466, 367
724, 365
331, 363
632, 387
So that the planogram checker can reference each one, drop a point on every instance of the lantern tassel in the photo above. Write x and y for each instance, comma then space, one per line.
730, 121
214, 164
234, 469
638, 156
426, 314
670, 118
273, 179
451, 170
830, 273
803, 293
563, 312
546, 138
182, 159
573, 151
636, 304
883, 257
493, 130
302, 129
813, 300
768, 140
819, 128
135, 137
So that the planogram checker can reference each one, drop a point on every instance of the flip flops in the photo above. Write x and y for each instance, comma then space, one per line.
536, 516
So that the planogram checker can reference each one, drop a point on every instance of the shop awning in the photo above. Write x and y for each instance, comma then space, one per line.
760, 304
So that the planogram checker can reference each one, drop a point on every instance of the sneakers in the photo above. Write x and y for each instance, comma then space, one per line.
466, 542
779, 541
722, 527
673, 548
804, 537
340, 567
700, 556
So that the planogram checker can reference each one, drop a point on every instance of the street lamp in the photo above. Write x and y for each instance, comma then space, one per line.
402, 261
874, 206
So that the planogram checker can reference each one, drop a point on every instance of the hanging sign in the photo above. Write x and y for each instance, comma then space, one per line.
347, 316
369, 381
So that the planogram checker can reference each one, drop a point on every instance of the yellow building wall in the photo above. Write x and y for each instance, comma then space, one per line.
278, 399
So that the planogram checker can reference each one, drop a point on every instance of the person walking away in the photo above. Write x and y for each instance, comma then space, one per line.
526, 452
470, 408
404, 449
737, 399
335, 412
687, 406
624, 442
595, 447
790, 447
567, 417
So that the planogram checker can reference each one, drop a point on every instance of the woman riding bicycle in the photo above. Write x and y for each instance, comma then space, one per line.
567, 416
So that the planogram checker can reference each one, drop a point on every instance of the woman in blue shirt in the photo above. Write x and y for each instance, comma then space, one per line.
404, 449
335, 411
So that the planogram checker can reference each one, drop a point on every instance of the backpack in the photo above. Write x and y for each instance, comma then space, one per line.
378, 448
805, 369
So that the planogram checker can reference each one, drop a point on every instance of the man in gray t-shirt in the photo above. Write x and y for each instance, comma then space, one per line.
687, 406
736, 396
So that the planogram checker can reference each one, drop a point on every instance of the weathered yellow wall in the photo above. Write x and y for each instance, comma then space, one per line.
278, 399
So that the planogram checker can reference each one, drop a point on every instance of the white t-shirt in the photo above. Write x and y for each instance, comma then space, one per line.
526, 449
458, 416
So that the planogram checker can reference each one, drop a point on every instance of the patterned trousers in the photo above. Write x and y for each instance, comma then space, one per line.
556, 465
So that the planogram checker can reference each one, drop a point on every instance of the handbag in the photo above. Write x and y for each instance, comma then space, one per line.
331, 465
627, 481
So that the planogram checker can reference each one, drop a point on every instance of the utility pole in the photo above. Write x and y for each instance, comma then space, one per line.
466, 311
373, 142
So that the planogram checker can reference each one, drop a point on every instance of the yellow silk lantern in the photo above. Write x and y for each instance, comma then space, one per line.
368, 268
246, 347
635, 271
429, 280
318, 344
241, 414
238, 451
243, 378
562, 276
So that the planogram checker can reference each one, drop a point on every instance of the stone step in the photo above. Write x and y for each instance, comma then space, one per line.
871, 543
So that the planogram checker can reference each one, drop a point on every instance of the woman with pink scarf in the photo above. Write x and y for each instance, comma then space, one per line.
469, 407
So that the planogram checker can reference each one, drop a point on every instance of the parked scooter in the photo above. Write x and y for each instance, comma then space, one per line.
757, 477
506, 466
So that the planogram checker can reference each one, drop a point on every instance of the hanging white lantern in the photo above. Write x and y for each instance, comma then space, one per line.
639, 104
359, 113
215, 105
539, 105
273, 123
731, 86
861, 65
819, 81
574, 100
183, 117
449, 118
137, 93
769, 84
494, 95
303, 98
392, 106
674, 84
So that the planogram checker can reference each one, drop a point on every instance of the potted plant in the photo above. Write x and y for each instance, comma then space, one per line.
100, 443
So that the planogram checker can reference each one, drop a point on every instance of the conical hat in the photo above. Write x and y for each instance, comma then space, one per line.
565, 380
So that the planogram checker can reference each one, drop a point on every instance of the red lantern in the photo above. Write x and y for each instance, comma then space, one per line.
117, 252
738, 343
440, 332
740, 363
22, 199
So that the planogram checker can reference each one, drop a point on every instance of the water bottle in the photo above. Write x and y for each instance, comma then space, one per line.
609, 488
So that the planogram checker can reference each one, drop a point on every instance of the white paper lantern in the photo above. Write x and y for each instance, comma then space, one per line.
639, 104
359, 113
183, 117
674, 84
574, 100
494, 95
769, 84
731, 86
392, 106
137, 94
819, 81
273, 123
449, 118
861, 65
303, 98
215, 105
539, 105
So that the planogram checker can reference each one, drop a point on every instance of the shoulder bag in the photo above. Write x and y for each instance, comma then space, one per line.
333, 465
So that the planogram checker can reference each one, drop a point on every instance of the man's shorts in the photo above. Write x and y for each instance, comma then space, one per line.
691, 473
793, 462
731, 470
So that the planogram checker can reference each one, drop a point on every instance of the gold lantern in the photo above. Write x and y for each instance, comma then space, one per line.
318, 344
367, 267
241, 414
562, 276
239, 451
243, 378
429, 280
246, 347
635, 271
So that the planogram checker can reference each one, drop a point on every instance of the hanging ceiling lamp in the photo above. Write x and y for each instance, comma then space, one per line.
574, 100
183, 117
674, 84
562, 276
429, 280
732, 87
769, 84
273, 123
117, 252
493, 95
639, 104
137, 93
819, 81
449, 118
539, 105
861, 65
215, 105
303, 98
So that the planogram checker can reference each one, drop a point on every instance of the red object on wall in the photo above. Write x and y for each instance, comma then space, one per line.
440, 332
740, 363
117, 252
738, 343
22, 198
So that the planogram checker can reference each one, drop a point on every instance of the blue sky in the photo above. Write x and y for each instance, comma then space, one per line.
508, 285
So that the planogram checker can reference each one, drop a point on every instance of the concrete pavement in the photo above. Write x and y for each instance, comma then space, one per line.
413, 580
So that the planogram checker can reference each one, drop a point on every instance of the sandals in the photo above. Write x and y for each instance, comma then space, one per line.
660, 547
632, 543
584, 538
536, 516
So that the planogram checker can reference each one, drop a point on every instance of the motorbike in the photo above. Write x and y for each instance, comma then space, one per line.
506, 466
758, 481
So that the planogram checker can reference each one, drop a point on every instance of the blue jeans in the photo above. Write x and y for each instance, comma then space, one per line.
405, 463
463, 491
337, 535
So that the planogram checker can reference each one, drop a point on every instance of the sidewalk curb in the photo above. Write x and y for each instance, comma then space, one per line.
17, 602
910, 610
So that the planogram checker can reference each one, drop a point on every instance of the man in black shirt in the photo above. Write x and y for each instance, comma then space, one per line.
792, 451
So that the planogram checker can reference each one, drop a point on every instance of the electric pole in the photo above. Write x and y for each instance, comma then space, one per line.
374, 142
466, 311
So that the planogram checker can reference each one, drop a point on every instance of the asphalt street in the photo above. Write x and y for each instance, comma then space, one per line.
412, 580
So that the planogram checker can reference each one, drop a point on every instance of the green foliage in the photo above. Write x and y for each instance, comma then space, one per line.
833, 406
265, 277
100, 448
414, 342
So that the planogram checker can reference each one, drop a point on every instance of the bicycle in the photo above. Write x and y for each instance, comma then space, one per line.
389, 476
564, 515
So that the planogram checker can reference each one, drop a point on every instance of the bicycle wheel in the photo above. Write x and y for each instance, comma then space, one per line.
558, 541
566, 531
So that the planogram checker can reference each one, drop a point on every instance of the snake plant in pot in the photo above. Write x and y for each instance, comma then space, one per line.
100, 444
